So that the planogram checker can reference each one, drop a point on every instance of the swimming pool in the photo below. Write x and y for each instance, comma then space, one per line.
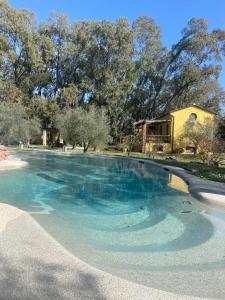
132, 219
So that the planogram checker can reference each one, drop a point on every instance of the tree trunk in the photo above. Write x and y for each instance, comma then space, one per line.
86, 146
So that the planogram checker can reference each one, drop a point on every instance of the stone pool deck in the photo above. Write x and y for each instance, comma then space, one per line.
34, 266
11, 163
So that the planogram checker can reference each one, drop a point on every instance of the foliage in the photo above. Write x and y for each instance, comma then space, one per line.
179, 150
131, 141
10, 93
44, 109
221, 127
204, 136
87, 128
120, 67
19, 52
15, 126
187, 73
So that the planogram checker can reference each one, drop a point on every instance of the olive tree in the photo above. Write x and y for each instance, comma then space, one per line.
16, 126
87, 128
206, 139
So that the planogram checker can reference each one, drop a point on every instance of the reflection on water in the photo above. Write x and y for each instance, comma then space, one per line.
177, 183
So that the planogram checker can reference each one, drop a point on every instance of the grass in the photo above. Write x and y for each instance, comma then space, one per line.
191, 163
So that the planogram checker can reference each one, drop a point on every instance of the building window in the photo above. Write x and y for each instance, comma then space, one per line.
167, 129
151, 130
160, 130
192, 117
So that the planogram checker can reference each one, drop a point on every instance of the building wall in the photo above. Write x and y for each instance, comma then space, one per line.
166, 147
176, 128
180, 118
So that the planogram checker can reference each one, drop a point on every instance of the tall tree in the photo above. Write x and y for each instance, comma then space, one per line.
122, 68
179, 73
19, 53
102, 65
55, 31
149, 59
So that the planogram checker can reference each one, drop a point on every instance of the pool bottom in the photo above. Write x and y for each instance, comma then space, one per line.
186, 272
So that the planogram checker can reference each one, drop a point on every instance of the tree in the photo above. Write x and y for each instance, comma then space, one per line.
10, 93
116, 66
177, 77
15, 126
149, 60
56, 32
69, 96
87, 128
45, 109
19, 52
130, 142
206, 139
101, 66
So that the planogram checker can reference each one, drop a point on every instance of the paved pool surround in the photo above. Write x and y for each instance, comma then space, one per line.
11, 163
35, 267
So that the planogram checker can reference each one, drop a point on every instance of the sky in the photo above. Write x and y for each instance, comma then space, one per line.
170, 15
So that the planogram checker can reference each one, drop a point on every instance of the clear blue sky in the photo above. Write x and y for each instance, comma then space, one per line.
170, 15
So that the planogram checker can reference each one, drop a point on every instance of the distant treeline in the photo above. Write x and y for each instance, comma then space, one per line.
121, 67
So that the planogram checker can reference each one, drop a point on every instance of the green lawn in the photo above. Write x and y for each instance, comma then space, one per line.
189, 162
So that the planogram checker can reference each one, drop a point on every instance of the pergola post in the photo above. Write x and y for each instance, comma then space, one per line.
144, 133
44, 137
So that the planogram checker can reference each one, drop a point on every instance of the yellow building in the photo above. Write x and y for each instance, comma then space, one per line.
163, 134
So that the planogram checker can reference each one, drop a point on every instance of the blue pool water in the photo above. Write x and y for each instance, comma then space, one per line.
118, 214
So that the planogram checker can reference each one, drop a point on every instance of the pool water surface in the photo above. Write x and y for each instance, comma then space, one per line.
131, 219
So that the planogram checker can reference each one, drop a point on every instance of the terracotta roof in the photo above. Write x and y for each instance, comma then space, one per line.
157, 119
152, 121
195, 105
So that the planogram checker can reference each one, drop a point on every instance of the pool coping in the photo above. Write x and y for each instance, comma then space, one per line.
207, 191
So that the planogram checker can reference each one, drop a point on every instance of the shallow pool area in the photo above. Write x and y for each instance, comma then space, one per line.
124, 216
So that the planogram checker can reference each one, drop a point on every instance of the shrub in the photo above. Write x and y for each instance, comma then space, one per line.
179, 150
209, 144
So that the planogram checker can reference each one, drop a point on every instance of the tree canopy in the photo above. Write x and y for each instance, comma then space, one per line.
121, 67
86, 128
16, 126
